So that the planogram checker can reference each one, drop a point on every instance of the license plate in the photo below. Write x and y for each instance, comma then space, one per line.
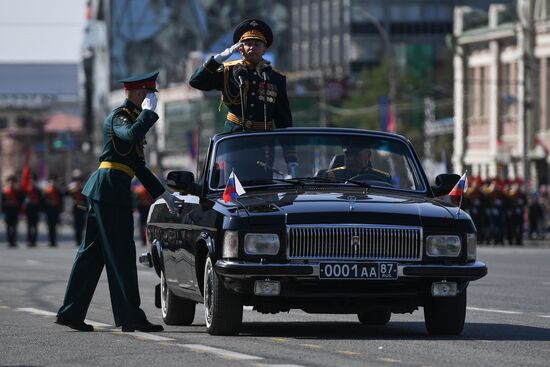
362, 270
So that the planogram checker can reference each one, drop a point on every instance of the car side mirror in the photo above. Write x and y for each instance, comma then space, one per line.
444, 183
182, 181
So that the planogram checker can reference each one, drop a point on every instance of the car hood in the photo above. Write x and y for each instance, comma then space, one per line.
337, 207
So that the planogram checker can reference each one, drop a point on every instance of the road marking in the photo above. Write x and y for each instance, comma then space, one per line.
545, 316
494, 310
4, 307
32, 262
220, 352
389, 360
36, 311
315, 346
279, 339
348, 352
153, 337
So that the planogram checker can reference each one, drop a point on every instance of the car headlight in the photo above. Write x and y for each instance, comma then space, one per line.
471, 248
261, 244
230, 244
443, 246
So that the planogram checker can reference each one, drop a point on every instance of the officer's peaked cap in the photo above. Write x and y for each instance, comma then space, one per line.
143, 81
253, 29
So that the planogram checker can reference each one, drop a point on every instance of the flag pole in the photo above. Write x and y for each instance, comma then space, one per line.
461, 196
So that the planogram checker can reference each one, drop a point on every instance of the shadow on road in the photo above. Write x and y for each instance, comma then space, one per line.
393, 331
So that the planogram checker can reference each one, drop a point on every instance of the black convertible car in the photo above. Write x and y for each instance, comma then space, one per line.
355, 227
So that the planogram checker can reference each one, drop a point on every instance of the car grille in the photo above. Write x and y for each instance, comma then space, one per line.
365, 242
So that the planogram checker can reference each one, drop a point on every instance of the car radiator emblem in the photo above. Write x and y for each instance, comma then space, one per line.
351, 201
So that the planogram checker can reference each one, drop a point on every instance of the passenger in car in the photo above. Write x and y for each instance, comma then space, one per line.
357, 162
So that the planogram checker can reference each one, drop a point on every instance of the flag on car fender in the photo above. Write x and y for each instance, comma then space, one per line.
460, 188
233, 188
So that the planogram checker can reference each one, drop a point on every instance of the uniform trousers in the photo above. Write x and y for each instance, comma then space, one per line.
108, 242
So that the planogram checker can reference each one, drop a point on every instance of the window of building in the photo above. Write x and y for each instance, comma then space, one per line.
360, 7
405, 13
470, 93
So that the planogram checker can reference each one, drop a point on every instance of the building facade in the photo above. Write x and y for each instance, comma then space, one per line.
501, 91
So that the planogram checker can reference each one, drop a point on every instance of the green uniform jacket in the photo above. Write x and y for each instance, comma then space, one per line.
212, 75
123, 134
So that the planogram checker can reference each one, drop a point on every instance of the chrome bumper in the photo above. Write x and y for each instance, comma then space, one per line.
242, 269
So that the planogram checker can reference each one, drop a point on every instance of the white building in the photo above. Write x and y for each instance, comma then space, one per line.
502, 90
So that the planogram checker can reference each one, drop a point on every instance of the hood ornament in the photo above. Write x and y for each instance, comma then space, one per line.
351, 202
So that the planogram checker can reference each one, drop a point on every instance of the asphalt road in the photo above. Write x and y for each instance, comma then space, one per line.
508, 324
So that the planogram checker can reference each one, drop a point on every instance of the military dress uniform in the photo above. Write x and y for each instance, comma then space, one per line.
32, 206
109, 238
53, 207
263, 98
79, 209
12, 200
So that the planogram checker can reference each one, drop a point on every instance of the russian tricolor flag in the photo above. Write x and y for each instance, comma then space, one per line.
233, 188
460, 187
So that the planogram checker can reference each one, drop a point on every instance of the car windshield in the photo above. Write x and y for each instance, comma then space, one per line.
315, 158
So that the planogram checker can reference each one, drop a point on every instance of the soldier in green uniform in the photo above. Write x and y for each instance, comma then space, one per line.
109, 233
255, 93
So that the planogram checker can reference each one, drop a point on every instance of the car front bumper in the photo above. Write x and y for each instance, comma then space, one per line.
243, 270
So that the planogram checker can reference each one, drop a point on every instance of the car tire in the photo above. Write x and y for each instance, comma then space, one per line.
375, 317
175, 310
446, 315
223, 311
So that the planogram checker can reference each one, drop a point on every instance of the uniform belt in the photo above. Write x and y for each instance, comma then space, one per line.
249, 124
118, 166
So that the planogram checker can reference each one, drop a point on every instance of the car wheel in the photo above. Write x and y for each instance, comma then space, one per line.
375, 317
175, 310
446, 315
223, 310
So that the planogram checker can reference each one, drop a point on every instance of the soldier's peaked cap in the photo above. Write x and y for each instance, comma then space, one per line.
253, 29
143, 81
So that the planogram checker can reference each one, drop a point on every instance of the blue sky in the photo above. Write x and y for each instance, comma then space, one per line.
41, 30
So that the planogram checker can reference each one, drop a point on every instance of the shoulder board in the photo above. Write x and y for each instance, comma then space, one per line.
381, 172
123, 113
231, 63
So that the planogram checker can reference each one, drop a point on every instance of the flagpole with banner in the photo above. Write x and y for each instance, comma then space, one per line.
459, 189
233, 188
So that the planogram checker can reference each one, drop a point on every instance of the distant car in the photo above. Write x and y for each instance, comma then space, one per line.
357, 230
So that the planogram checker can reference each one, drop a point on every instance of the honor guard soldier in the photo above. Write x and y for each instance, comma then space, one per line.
32, 206
74, 189
255, 93
108, 240
53, 207
12, 200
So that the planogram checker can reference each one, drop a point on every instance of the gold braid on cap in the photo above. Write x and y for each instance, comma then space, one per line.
253, 34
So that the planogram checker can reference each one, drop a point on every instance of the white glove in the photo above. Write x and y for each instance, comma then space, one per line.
292, 169
150, 102
172, 202
225, 54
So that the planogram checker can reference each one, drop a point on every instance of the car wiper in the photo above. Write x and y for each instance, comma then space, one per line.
332, 180
252, 182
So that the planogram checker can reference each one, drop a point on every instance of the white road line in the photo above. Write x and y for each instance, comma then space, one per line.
545, 316
36, 311
148, 336
494, 310
220, 352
